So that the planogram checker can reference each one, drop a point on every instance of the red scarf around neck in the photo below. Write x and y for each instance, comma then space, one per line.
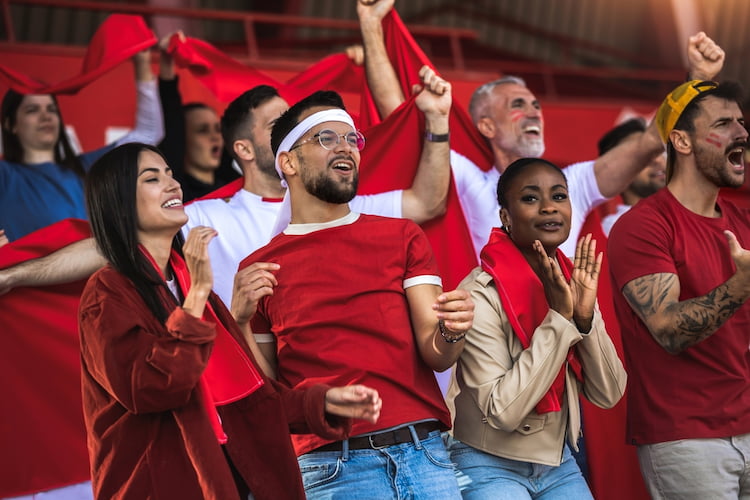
230, 374
522, 296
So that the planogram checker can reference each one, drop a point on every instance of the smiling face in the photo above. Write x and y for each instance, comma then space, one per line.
537, 208
719, 142
203, 139
514, 122
158, 198
329, 175
37, 123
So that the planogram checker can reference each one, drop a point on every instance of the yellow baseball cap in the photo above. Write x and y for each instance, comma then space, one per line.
676, 102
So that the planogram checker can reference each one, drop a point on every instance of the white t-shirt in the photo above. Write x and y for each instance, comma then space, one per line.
609, 220
477, 191
245, 223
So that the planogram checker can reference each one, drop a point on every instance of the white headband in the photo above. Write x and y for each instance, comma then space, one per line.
328, 115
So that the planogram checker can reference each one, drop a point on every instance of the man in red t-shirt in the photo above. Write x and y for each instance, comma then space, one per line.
357, 297
679, 259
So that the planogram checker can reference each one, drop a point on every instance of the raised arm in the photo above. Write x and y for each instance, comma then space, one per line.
149, 122
677, 325
428, 194
74, 262
381, 77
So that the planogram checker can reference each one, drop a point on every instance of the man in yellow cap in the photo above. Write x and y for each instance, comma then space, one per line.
679, 258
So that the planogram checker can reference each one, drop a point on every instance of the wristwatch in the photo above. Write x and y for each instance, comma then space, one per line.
430, 137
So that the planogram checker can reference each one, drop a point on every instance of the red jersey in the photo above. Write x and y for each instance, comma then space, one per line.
704, 391
340, 314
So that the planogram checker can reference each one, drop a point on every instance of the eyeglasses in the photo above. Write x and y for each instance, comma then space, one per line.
329, 139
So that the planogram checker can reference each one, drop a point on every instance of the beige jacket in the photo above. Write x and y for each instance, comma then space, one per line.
496, 384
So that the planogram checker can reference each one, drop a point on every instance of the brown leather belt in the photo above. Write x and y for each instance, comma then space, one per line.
383, 439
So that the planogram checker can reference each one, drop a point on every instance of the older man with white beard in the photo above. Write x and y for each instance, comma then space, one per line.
509, 116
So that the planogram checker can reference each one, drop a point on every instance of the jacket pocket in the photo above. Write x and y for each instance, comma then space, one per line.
531, 425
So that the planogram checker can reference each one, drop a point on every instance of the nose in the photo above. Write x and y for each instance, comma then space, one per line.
741, 131
532, 111
342, 144
173, 184
547, 207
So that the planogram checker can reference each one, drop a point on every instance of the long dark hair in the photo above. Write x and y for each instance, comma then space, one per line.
111, 203
12, 148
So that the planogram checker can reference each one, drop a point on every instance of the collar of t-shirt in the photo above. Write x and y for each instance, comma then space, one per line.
298, 229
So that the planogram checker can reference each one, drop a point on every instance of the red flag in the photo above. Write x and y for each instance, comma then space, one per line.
42, 439
118, 39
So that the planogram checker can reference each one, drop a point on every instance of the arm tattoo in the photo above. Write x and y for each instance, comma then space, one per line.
688, 322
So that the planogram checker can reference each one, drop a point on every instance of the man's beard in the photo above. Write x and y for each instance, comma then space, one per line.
529, 147
713, 166
266, 162
323, 187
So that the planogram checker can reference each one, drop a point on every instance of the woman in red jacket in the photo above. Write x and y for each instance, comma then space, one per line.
174, 403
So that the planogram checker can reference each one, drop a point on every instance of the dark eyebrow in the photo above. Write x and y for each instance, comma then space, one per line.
148, 170
537, 188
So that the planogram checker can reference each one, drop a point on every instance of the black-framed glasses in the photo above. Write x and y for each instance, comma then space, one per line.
328, 139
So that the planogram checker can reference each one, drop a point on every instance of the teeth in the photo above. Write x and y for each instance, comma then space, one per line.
172, 203
532, 128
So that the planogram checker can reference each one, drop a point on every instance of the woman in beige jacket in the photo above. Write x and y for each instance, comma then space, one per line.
538, 340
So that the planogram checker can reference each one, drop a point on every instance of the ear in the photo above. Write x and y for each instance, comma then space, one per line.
244, 149
504, 217
288, 164
681, 142
486, 127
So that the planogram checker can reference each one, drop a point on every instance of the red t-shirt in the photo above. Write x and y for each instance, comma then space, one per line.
340, 315
704, 391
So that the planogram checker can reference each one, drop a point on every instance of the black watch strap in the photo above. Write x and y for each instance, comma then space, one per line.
430, 137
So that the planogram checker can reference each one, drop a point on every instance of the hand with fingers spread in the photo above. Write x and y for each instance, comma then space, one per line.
456, 310
250, 285
354, 401
584, 282
705, 57
556, 289
195, 251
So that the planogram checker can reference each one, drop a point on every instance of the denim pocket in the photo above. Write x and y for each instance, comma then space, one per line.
319, 470
434, 450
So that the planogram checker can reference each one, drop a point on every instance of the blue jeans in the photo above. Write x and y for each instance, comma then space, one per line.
690, 469
418, 470
78, 491
488, 477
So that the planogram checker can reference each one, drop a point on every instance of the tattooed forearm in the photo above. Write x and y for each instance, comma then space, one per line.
678, 325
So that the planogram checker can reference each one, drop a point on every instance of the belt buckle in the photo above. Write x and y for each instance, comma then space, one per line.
373, 445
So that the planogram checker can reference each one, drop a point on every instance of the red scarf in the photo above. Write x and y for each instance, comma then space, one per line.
522, 296
230, 374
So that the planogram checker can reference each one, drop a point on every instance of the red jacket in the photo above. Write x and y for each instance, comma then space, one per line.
149, 435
